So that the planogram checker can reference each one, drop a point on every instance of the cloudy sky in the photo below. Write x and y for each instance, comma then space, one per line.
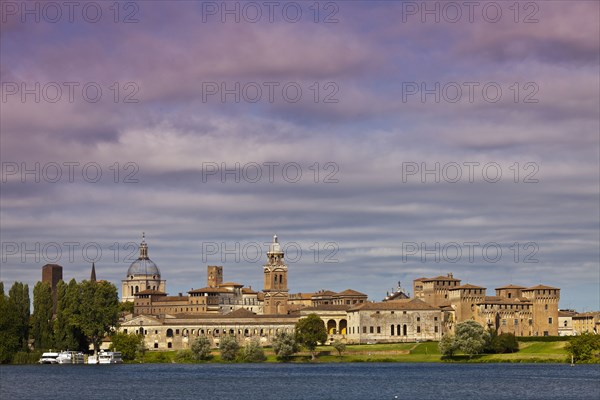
379, 144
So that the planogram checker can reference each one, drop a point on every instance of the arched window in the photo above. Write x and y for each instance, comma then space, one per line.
392, 330
137, 289
169, 332
280, 278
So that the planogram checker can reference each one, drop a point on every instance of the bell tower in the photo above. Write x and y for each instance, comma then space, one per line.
275, 285
214, 276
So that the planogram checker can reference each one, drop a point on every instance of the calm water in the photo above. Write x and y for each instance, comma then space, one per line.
301, 381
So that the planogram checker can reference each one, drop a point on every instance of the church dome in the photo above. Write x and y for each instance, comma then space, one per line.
143, 265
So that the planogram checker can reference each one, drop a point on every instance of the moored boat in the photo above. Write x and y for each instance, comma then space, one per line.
106, 357
49, 358
70, 357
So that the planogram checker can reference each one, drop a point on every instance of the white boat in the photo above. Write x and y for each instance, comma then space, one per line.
70, 357
106, 357
49, 358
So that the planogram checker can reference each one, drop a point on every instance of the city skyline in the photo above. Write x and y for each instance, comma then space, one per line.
410, 135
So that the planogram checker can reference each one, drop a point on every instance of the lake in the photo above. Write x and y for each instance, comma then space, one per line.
358, 381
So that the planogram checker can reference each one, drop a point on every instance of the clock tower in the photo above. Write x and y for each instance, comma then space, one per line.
275, 287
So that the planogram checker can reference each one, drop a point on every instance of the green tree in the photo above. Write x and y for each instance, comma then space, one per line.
285, 345
61, 322
41, 320
447, 345
201, 348
99, 311
498, 344
339, 346
584, 348
229, 348
507, 343
126, 307
311, 331
67, 328
18, 298
128, 344
252, 352
9, 335
470, 337
75, 338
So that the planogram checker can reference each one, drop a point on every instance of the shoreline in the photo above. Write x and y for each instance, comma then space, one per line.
530, 352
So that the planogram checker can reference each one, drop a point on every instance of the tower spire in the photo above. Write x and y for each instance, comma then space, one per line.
143, 248
93, 274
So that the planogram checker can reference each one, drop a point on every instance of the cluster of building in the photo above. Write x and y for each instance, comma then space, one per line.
230, 308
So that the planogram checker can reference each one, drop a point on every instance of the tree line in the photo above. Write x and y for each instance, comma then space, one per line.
85, 313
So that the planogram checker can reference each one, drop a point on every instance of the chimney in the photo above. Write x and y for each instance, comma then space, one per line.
450, 275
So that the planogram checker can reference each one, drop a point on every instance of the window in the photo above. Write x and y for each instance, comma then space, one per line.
418, 329
364, 329
550, 320
435, 318
418, 319
125, 331
378, 329
371, 329
435, 329
177, 331
503, 322
545, 306
516, 322
156, 345
169, 345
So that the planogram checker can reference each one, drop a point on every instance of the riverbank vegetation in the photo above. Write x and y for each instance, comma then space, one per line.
530, 352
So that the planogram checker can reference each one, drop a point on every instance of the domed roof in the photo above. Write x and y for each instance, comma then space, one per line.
143, 265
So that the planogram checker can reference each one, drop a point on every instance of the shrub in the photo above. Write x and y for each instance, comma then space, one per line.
229, 348
252, 352
201, 348
339, 346
185, 356
284, 346
447, 345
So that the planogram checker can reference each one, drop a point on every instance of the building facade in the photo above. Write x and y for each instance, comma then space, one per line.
405, 320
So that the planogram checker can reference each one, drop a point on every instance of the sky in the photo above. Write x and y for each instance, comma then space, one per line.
381, 142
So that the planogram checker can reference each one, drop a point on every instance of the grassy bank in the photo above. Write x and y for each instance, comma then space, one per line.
530, 352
